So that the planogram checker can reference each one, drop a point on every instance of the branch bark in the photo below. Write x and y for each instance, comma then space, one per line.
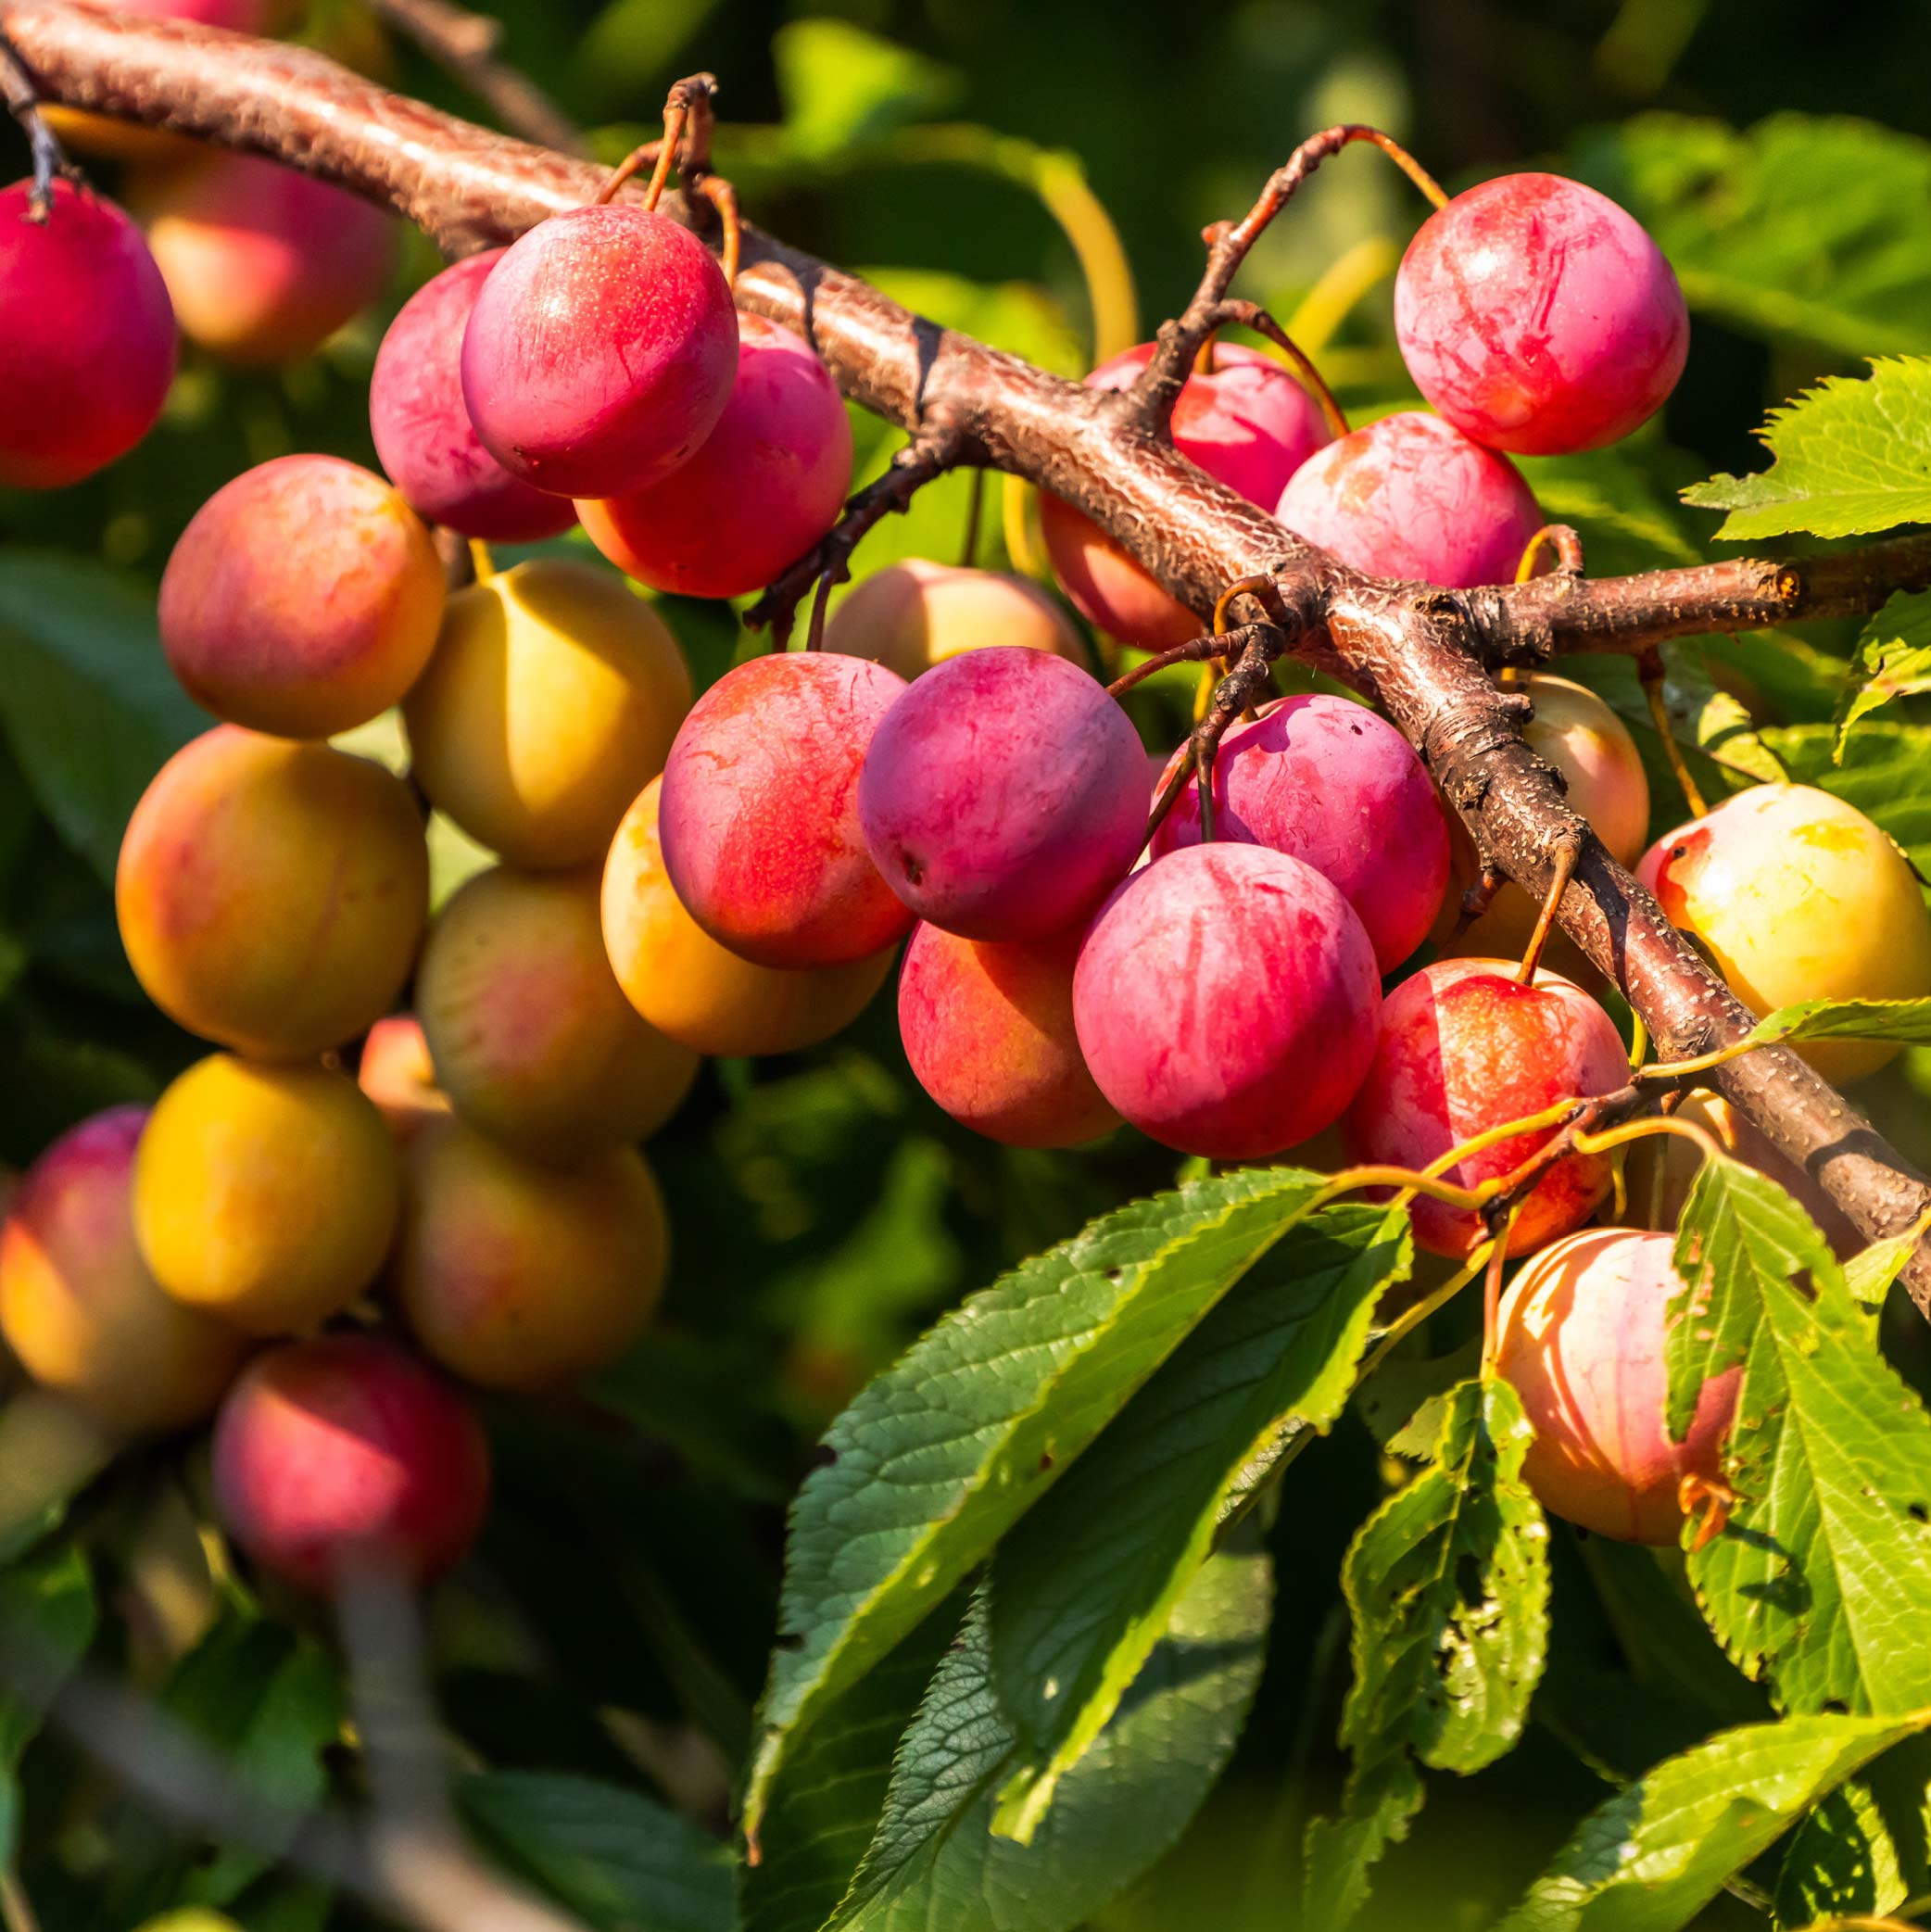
1419, 650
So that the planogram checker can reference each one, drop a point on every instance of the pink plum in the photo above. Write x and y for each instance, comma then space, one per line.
1538, 316
1247, 422
1463, 1048
1226, 1000
988, 1032
767, 484
1581, 1338
421, 426
758, 811
1005, 794
1410, 497
1328, 782
87, 352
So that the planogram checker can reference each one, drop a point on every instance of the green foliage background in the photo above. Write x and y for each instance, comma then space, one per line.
825, 1213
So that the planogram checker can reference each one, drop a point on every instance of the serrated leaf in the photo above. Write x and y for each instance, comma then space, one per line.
87, 701
1405, 1400
614, 1858
1907, 1020
1447, 1584
1862, 1852
938, 1456
936, 1861
1849, 457
1081, 1591
47, 1619
1822, 1581
1870, 1273
1652, 1858
1893, 661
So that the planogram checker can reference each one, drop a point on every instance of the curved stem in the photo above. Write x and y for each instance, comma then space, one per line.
1564, 870
1251, 315
722, 196
1559, 538
1651, 672
49, 161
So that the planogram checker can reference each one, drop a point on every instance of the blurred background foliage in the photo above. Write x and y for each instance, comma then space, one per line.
822, 1209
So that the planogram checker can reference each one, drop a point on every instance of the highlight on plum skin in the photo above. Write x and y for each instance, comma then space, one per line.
1005, 794
1538, 316
700, 993
303, 599
1226, 1000
600, 351
396, 1072
264, 263
1463, 1048
766, 485
1247, 422
79, 1308
758, 813
349, 1451
1330, 783
1410, 497
1796, 895
88, 350
987, 1028
424, 436
914, 615
1581, 1334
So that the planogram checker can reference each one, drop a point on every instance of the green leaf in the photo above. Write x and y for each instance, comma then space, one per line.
1626, 520
842, 86
1849, 457
1803, 228
1908, 1020
938, 1456
1652, 1857
1862, 1852
936, 1861
48, 1619
88, 702
1404, 1402
1870, 1273
1885, 771
1893, 661
1082, 1590
1823, 1578
1447, 1583
612, 1857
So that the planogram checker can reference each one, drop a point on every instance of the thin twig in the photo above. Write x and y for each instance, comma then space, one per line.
464, 45
22, 100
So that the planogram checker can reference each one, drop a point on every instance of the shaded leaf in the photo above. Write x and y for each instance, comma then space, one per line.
1862, 1852
48, 1619
842, 86
1908, 1020
1893, 661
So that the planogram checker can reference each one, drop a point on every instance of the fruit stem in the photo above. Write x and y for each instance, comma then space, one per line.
722, 196
16, 91
481, 562
1560, 539
1189, 653
1563, 871
974, 510
1407, 1180
1649, 670
1241, 586
1251, 315
1702, 1063
1491, 1293
1642, 1129
1409, 1319
1204, 355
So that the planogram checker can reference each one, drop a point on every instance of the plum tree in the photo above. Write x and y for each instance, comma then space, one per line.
694, 990
912, 615
1247, 422
1003, 795
302, 599
529, 1033
421, 426
758, 814
78, 1306
988, 1032
271, 894
263, 263
518, 1276
552, 696
1328, 782
396, 1072
88, 350
761, 488
1410, 497
599, 351
267, 1196
1797, 896
1581, 1334
1225, 998
1465, 1047
349, 1451
1538, 316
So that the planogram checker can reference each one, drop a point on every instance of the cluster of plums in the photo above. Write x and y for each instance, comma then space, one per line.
326, 1258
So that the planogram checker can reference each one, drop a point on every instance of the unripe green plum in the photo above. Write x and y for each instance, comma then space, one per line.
271, 894
1797, 896
303, 599
349, 1451
552, 699
529, 1032
517, 1276
396, 1072
912, 615
265, 1195
694, 990
1581, 1333
78, 1305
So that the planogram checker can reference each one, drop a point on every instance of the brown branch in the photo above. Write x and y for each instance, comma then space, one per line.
464, 45
1418, 650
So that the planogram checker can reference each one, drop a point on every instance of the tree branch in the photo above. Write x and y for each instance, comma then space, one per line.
465, 45
1417, 649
